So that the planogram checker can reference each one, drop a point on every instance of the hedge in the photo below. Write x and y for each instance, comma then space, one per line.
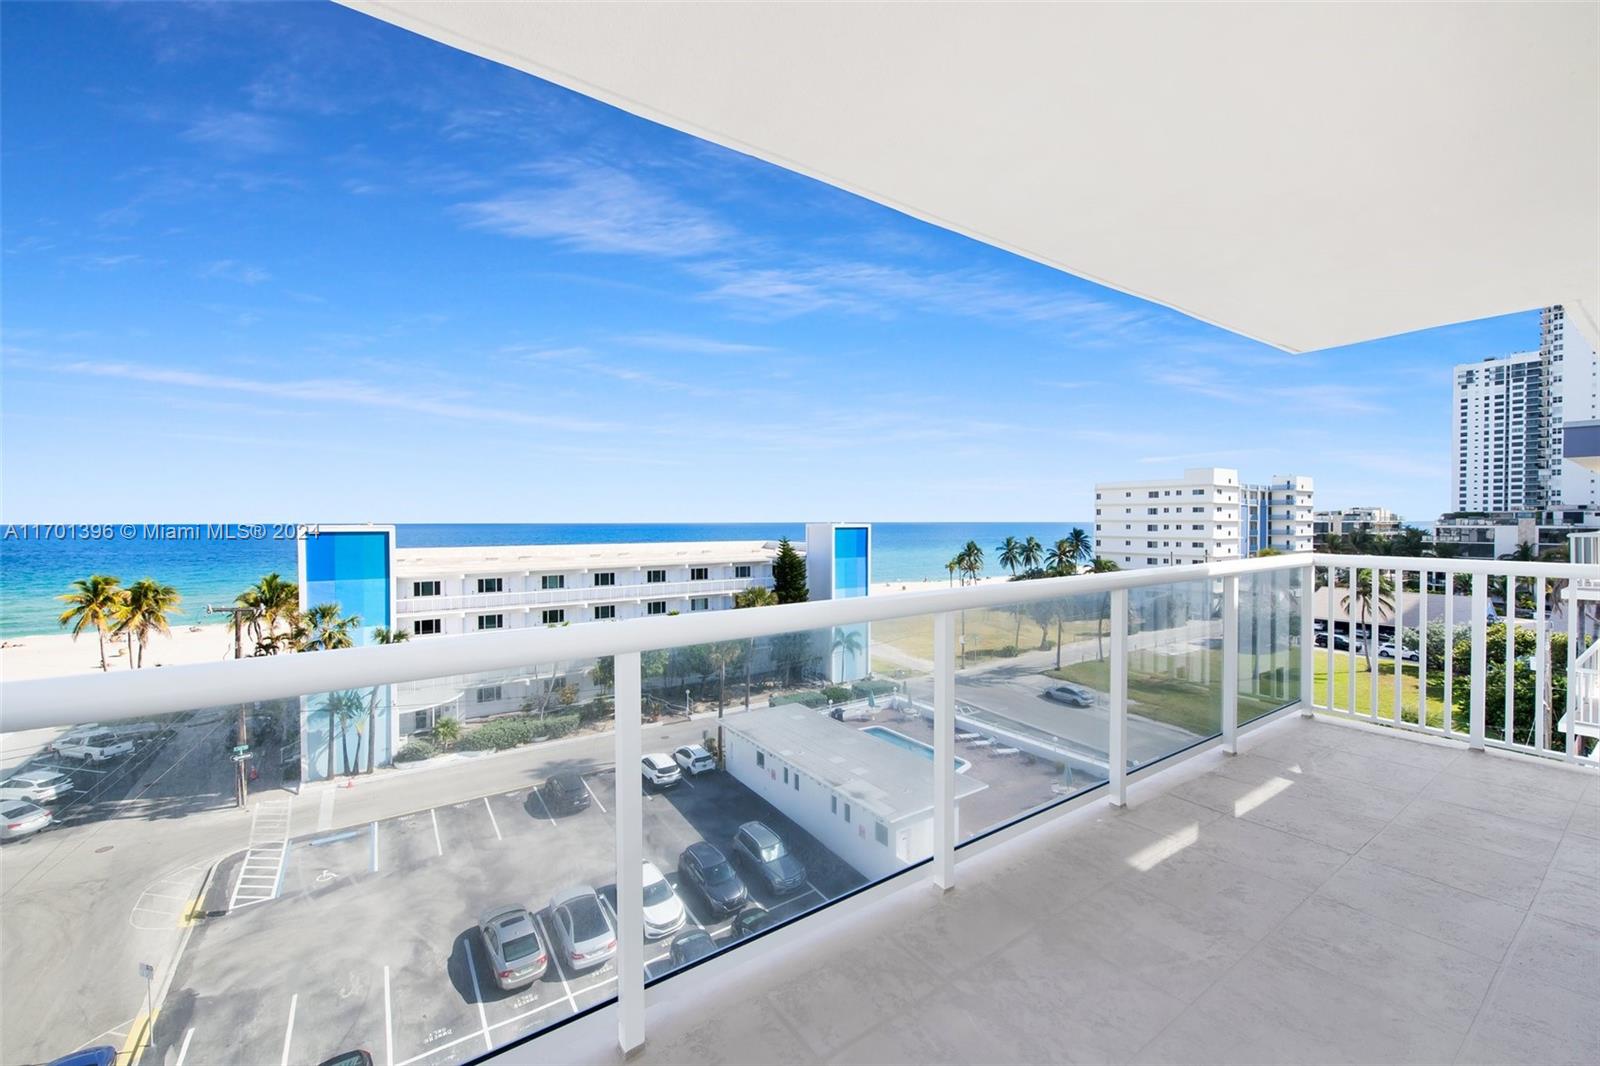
836, 694
503, 733
872, 687
416, 750
805, 699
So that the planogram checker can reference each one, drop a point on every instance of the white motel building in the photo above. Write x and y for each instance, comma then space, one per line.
1203, 517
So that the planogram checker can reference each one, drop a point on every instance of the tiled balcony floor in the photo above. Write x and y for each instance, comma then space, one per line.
1330, 894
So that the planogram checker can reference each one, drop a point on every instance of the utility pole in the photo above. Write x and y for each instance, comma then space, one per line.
241, 752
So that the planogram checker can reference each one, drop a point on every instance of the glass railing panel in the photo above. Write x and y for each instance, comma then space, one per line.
1269, 642
804, 773
404, 907
1174, 668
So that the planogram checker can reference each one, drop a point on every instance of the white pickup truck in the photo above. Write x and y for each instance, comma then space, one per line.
96, 748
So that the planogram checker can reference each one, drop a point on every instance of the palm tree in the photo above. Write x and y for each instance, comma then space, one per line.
1032, 553
755, 596
144, 609
1367, 608
269, 601
847, 642
94, 601
343, 708
951, 567
971, 560
1010, 552
1082, 547
381, 635
1062, 559
325, 629
1103, 566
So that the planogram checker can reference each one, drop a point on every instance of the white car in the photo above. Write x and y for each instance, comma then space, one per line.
36, 786
101, 747
695, 759
19, 818
659, 770
663, 910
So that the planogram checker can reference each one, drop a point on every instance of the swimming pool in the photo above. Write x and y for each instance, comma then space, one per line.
900, 740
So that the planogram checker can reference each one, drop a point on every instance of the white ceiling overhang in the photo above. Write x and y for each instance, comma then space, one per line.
1306, 174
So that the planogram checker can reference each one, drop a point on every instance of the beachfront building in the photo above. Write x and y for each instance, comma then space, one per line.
839, 566
1379, 521
865, 793
1205, 516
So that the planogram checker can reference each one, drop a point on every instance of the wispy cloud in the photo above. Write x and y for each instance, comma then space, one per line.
238, 133
599, 209
683, 342
1213, 383
233, 270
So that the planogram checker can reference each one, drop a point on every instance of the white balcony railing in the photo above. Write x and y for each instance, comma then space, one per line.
535, 598
1277, 603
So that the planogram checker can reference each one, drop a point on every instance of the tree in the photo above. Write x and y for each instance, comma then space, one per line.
145, 610
847, 642
447, 731
1079, 544
382, 635
95, 601
1062, 558
951, 567
789, 575
1009, 552
790, 652
1528, 702
755, 596
1103, 566
269, 601
1032, 553
971, 560
1369, 607
720, 656
325, 629
1043, 613
344, 708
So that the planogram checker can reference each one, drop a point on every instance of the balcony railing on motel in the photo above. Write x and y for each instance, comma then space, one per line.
872, 747
483, 601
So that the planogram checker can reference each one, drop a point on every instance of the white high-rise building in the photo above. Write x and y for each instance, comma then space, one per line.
1205, 516
1509, 413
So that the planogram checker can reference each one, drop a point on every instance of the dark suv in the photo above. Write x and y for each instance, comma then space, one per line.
564, 793
704, 867
763, 852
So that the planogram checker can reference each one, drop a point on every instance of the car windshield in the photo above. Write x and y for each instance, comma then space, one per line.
772, 853
587, 920
657, 892
520, 947
16, 811
720, 871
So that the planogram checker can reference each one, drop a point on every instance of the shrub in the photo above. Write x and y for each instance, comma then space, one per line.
835, 693
557, 725
498, 735
416, 750
805, 699
872, 687
447, 731
594, 711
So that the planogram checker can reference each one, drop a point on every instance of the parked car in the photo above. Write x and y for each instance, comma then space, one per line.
77, 732
713, 876
691, 946
19, 819
516, 954
862, 713
36, 786
1386, 651
99, 748
660, 770
694, 759
1340, 642
763, 851
358, 1057
753, 919
1071, 695
104, 1055
582, 927
663, 910
565, 792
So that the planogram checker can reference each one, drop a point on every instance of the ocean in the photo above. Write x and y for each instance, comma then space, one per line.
215, 563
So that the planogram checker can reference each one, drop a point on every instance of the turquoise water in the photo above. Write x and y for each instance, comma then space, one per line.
213, 564
900, 740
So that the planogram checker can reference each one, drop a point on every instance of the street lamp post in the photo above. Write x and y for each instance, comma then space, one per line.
241, 783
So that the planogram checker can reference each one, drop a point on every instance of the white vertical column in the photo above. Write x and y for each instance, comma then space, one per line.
1117, 754
1372, 638
1480, 659
1541, 657
1572, 674
1308, 642
1230, 664
1449, 651
1400, 646
1511, 659
1350, 635
1422, 648
944, 750
630, 854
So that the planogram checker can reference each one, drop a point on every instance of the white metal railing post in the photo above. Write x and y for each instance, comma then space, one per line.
1449, 722
1373, 589
630, 852
1399, 658
1541, 658
1572, 659
1117, 755
944, 750
1308, 641
1230, 665
1480, 660
1508, 730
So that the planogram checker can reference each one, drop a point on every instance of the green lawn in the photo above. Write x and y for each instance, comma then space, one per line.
1408, 687
1162, 695
987, 631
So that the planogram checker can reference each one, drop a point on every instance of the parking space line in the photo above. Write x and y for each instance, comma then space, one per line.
477, 994
561, 970
592, 796
183, 1050
437, 843
388, 1010
374, 847
492, 821
288, 1032
543, 808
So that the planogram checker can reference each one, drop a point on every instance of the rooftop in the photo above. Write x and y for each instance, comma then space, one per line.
886, 779
501, 558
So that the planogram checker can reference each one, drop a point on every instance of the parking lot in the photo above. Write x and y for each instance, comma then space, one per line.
371, 941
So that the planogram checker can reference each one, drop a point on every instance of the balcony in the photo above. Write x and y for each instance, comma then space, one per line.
528, 599
1106, 817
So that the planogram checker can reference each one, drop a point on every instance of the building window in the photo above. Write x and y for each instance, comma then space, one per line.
655, 577
698, 573
489, 694
786, 775
491, 584
761, 758
656, 607
741, 571
491, 621
847, 812
700, 603
797, 781
605, 578
881, 831
605, 611
554, 617
426, 627
833, 803
425, 588
553, 581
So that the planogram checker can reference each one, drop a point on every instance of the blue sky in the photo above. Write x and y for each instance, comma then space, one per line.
286, 263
